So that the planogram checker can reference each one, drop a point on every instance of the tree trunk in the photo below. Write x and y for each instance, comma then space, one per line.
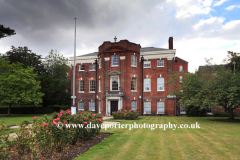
230, 112
9, 108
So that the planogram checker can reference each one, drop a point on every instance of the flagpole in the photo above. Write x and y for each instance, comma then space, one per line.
73, 108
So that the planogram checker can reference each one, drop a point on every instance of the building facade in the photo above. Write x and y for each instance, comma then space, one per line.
122, 75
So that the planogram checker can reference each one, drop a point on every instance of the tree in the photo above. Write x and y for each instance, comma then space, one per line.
56, 83
4, 32
204, 88
233, 57
26, 57
18, 85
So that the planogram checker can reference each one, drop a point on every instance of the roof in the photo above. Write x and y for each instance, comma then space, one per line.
213, 67
145, 49
89, 54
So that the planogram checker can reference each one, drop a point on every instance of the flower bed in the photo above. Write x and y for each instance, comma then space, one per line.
49, 135
127, 114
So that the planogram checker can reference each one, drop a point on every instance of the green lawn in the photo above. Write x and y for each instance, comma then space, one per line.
214, 140
16, 119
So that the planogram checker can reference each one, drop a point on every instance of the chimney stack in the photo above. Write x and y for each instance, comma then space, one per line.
170, 42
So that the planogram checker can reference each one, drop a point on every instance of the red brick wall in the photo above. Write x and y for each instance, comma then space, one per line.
126, 48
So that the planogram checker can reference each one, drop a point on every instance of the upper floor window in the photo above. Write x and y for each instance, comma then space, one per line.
81, 86
100, 63
160, 107
147, 84
82, 67
147, 64
81, 105
134, 84
160, 84
114, 83
115, 60
92, 67
92, 106
180, 68
160, 63
133, 60
92, 86
133, 105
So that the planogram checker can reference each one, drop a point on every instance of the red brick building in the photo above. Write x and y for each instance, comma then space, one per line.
122, 75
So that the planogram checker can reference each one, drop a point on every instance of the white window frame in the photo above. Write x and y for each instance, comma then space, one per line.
79, 106
80, 86
147, 103
147, 84
180, 68
100, 63
145, 62
182, 109
90, 105
113, 57
80, 67
133, 105
133, 60
158, 84
111, 83
99, 85
161, 61
209, 108
160, 107
99, 106
135, 84
91, 83
180, 79
91, 69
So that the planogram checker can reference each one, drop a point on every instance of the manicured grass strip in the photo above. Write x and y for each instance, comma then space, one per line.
214, 140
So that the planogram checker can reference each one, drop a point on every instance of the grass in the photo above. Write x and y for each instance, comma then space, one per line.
214, 140
16, 119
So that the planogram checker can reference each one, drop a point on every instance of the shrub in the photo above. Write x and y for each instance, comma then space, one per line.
118, 115
4, 143
47, 135
193, 111
127, 114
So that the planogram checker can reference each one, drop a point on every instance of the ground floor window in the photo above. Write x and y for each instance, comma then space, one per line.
81, 105
209, 110
92, 106
147, 107
182, 109
133, 105
160, 107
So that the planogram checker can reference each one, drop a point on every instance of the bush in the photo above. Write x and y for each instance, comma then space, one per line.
47, 135
127, 114
4, 143
193, 111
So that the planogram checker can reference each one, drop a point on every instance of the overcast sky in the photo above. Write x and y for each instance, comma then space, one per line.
200, 28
